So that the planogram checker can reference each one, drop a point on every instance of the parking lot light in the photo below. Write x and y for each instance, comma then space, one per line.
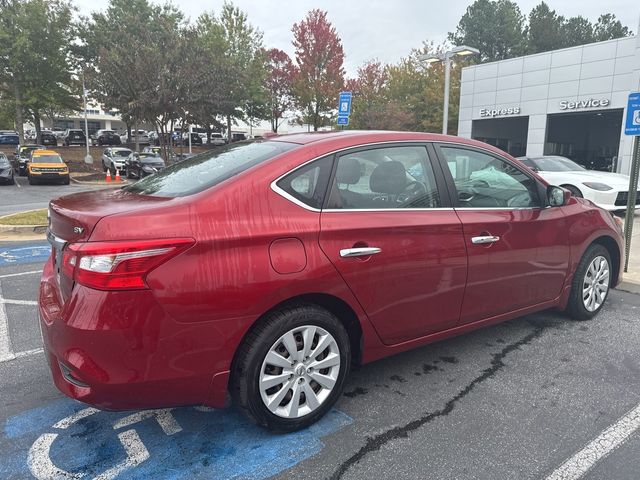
460, 51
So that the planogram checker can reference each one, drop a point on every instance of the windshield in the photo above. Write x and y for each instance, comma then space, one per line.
556, 164
47, 159
208, 169
4, 161
121, 153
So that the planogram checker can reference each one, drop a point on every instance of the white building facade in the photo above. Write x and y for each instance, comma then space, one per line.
568, 102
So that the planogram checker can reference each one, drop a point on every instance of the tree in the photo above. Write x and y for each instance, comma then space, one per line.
577, 31
495, 27
242, 44
545, 31
135, 68
278, 84
372, 108
608, 27
319, 58
35, 39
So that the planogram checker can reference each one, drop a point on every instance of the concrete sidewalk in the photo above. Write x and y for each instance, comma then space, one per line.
631, 278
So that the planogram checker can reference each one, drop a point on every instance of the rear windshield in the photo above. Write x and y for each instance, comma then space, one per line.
47, 159
208, 169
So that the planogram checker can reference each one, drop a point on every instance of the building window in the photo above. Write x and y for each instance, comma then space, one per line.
93, 127
63, 124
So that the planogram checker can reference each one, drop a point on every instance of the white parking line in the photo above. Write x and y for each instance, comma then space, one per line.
31, 272
600, 447
6, 353
18, 302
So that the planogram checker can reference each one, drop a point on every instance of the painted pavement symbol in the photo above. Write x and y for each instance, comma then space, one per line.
67, 440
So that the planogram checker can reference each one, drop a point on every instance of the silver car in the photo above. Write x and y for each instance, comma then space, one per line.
113, 159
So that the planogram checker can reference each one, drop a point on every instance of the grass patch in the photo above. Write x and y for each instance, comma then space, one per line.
36, 217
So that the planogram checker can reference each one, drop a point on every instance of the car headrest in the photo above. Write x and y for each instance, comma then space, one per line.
348, 171
388, 177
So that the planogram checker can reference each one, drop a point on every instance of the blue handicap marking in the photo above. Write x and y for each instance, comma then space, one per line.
66, 439
29, 254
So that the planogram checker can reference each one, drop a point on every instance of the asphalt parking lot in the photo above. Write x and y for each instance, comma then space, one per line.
22, 196
516, 400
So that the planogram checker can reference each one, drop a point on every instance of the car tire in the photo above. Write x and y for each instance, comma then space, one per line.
31, 180
575, 191
66, 181
250, 367
104, 167
12, 180
591, 283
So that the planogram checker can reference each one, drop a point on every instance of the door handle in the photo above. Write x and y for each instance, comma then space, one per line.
484, 240
359, 252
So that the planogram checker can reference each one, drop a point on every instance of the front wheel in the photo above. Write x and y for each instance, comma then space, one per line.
591, 283
291, 368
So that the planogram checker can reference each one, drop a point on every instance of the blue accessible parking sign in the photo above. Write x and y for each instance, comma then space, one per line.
344, 104
632, 125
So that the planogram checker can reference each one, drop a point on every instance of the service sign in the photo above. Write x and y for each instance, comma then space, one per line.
632, 125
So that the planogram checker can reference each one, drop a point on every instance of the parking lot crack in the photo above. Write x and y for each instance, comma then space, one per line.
376, 442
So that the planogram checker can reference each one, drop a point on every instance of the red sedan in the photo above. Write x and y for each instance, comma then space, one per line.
263, 270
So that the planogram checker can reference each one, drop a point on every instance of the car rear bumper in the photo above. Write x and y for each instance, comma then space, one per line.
120, 351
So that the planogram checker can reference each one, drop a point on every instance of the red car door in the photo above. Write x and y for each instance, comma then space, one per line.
518, 251
395, 240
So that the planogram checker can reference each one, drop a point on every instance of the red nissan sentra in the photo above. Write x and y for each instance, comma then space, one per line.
265, 269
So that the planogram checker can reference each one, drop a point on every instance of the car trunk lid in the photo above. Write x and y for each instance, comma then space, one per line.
72, 219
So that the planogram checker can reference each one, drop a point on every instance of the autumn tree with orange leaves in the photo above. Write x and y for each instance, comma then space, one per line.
319, 58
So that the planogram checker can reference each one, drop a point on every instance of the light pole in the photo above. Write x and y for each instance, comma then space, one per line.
461, 51
88, 158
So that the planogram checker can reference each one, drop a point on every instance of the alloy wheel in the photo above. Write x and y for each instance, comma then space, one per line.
299, 371
595, 285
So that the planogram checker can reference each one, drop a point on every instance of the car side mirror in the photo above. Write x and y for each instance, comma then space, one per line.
557, 196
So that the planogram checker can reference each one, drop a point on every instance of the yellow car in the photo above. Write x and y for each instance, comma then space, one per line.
47, 165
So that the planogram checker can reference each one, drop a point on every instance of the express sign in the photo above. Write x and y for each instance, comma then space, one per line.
591, 103
499, 112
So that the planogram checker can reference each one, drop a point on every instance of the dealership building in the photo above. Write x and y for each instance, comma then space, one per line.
568, 102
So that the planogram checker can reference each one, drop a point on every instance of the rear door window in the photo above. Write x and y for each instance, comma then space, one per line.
308, 184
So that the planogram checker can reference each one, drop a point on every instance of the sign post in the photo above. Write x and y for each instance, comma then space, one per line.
344, 108
632, 127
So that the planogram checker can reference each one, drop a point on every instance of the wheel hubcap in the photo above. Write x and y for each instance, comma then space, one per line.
596, 284
299, 371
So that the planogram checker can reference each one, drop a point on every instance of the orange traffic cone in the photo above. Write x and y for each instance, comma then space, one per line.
118, 179
108, 179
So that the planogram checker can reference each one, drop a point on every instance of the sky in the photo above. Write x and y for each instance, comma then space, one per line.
385, 30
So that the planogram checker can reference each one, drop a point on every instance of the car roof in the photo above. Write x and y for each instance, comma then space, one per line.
39, 153
355, 137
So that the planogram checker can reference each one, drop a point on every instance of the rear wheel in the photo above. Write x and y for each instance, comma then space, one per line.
291, 368
591, 283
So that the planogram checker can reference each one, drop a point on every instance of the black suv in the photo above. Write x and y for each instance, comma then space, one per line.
74, 137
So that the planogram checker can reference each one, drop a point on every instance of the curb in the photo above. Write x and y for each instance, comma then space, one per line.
112, 183
18, 232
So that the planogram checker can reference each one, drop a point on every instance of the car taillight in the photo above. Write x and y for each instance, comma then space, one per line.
118, 265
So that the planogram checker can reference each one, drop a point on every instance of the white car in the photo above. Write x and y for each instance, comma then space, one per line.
605, 189
113, 159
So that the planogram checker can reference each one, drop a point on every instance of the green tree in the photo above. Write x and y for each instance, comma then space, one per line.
495, 27
35, 49
131, 57
608, 27
577, 31
242, 49
545, 31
